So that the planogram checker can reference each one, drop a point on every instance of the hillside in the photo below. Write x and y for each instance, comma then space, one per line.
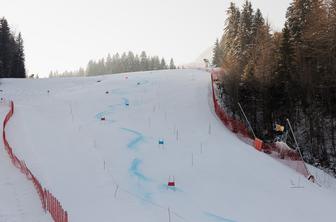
116, 170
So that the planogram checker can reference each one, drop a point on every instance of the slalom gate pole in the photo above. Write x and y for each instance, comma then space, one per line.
248, 122
297, 146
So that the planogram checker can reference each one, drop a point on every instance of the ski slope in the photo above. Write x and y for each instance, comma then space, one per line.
18, 200
116, 170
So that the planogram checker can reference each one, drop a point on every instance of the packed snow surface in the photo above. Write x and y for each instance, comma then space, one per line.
107, 147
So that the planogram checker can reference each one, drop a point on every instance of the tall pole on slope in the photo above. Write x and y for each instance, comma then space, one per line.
248, 122
297, 146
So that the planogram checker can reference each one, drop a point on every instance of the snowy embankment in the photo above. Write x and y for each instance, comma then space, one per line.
116, 170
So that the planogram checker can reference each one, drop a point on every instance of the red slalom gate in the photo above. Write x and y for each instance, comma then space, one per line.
288, 157
49, 202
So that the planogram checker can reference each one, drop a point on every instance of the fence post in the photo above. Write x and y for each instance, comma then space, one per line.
248, 122
298, 148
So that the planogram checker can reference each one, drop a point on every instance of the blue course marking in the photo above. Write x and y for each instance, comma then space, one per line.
105, 114
134, 170
217, 218
111, 110
126, 101
166, 187
142, 82
135, 142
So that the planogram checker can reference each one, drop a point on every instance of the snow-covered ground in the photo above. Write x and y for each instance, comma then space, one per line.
116, 170
18, 200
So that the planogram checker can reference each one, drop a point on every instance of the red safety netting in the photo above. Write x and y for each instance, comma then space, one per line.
235, 125
49, 202
287, 156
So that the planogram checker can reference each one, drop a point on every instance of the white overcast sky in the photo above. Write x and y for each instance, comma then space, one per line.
66, 34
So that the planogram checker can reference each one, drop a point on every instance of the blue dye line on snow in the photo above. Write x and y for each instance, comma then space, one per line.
135, 142
166, 187
134, 170
107, 112
103, 114
215, 217
126, 101
111, 110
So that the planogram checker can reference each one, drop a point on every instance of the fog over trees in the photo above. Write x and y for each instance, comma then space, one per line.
126, 62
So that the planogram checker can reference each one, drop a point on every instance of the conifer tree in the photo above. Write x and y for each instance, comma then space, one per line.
5, 48
143, 61
217, 55
245, 29
258, 23
297, 15
163, 64
230, 42
286, 62
172, 64
18, 64
11, 53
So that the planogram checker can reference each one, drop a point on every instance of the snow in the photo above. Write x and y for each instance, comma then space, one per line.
18, 200
116, 170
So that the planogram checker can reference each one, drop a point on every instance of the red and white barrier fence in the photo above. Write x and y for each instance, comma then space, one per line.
49, 202
287, 156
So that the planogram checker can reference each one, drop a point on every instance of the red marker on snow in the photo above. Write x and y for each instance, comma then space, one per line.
171, 181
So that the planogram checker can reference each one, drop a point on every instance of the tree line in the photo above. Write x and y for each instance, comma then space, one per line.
126, 62
12, 58
279, 75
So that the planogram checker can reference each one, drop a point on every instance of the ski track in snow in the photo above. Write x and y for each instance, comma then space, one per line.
111, 110
217, 218
133, 144
141, 180
135, 171
166, 187
126, 101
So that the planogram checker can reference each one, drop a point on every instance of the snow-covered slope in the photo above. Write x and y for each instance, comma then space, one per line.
18, 200
116, 170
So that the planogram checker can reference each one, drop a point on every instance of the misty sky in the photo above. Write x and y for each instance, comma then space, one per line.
66, 34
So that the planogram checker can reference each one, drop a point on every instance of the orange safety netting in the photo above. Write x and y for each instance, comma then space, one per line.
289, 157
49, 202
